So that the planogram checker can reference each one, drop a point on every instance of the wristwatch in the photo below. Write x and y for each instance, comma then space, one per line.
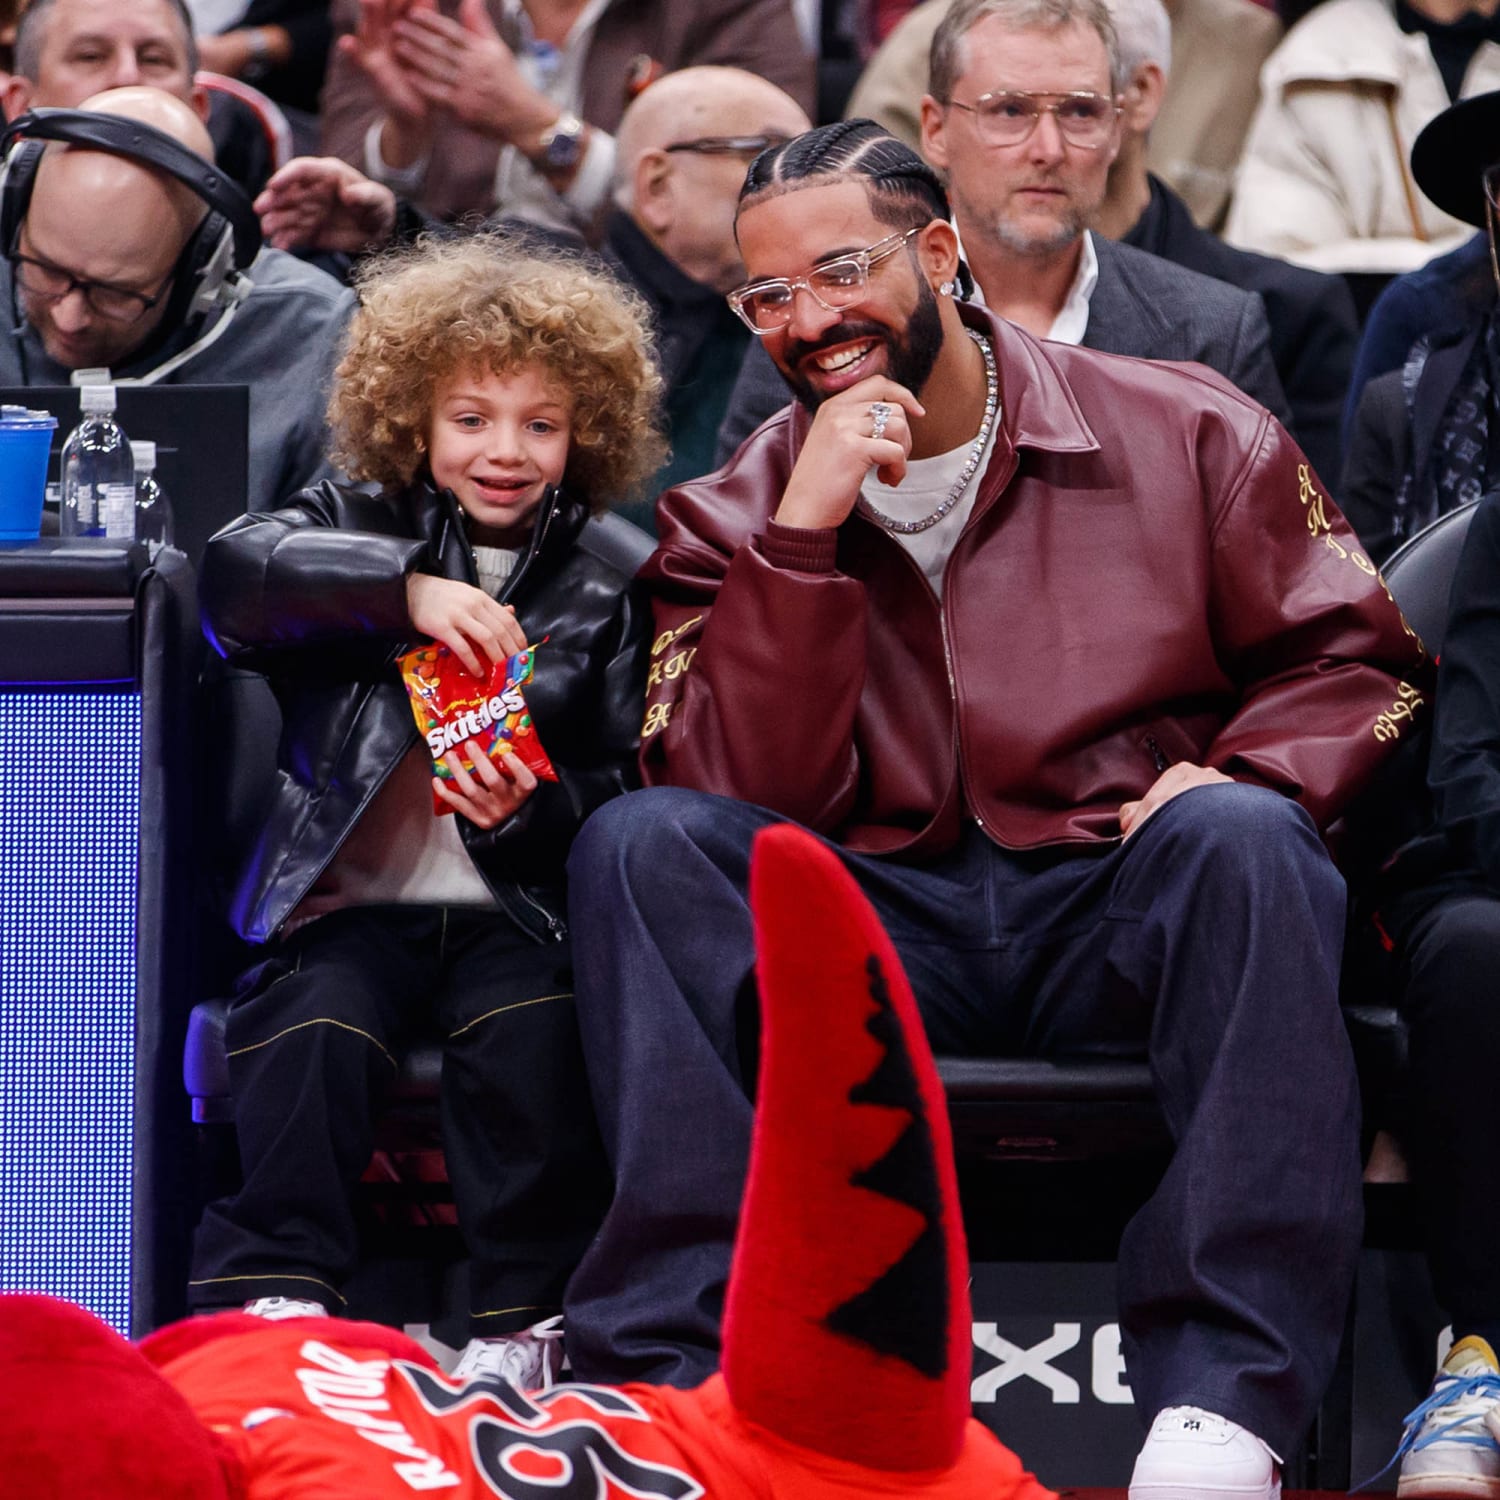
561, 143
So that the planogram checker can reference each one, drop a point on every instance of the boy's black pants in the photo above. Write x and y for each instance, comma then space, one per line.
313, 1036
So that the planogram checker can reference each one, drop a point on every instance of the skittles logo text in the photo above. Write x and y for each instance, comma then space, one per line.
465, 726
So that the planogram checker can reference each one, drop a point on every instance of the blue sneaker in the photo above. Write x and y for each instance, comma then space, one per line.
1449, 1448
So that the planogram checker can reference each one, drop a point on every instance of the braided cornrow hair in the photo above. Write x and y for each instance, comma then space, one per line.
904, 191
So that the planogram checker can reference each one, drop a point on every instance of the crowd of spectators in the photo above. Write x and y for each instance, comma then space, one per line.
1304, 203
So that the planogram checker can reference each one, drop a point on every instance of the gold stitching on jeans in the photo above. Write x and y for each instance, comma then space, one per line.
316, 1021
220, 1280
501, 1312
501, 1009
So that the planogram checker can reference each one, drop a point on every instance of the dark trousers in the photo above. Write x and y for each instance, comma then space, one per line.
1449, 945
1209, 943
313, 1037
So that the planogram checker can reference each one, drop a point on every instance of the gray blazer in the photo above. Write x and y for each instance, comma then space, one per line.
1142, 305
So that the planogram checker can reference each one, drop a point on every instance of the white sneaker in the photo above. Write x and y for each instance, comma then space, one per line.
1191, 1453
274, 1309
529, 1360
1449, 1447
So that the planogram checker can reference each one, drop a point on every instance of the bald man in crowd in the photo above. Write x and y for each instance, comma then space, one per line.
96, 276
681, 153
683, 148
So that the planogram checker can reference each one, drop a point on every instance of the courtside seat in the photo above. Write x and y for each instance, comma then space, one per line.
1028, 1109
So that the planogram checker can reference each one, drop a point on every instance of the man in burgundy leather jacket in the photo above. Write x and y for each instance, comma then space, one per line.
1073, 660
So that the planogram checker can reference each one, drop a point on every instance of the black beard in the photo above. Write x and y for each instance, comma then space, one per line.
911, 355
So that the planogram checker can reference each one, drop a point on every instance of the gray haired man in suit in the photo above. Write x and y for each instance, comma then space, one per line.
1023, 117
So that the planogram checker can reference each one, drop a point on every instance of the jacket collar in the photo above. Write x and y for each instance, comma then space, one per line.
1037, 406
439, 518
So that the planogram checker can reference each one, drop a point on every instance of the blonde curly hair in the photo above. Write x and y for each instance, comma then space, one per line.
486, 302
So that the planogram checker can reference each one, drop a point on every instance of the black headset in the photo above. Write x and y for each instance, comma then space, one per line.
208, 271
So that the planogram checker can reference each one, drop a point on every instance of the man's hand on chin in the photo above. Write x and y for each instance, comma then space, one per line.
843, 445
1171, 782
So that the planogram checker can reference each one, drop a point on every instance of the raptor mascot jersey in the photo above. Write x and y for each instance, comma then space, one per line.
846, 1331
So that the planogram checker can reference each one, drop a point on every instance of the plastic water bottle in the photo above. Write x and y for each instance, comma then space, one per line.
153, 511
98, 474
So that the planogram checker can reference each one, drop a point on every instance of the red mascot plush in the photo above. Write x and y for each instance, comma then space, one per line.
846, 1335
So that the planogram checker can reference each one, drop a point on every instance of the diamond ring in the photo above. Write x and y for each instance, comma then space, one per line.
880, 413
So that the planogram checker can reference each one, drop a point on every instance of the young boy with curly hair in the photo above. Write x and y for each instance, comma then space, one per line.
497, 397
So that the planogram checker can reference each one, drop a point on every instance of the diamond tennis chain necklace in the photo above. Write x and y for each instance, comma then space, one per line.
991, 406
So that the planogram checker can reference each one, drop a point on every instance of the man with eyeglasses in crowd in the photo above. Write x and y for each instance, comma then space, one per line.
680, 154
94, 278
1023, 118
1071, 660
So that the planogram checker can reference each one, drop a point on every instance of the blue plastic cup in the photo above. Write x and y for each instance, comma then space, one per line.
25, 442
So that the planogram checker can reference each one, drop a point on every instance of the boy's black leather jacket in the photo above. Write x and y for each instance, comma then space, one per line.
313, 596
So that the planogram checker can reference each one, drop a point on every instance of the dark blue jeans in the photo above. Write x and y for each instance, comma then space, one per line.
1208, 943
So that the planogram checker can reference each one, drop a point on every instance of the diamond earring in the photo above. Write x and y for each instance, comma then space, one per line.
946, 289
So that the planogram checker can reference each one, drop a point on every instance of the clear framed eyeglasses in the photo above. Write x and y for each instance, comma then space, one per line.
729, 145
1007, 117
765, 306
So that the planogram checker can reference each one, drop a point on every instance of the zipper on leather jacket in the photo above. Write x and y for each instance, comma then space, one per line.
557, 929
533, 550
1158, 757
958, 753
550, 929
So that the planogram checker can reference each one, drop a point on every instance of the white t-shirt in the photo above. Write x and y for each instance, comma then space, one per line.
927, 483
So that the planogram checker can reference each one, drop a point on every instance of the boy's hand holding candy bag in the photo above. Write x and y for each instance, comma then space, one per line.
465, 619
478, 730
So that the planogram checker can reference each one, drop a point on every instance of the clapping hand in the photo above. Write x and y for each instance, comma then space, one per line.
464, 66
406, 131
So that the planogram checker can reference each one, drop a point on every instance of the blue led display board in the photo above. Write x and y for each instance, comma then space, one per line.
69, 843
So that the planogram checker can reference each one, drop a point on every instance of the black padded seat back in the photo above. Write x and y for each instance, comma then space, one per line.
1420, 574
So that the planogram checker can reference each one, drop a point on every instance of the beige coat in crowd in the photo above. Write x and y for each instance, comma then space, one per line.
1325, 179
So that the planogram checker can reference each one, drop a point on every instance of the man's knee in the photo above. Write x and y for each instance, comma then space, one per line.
650, 835
1246, 828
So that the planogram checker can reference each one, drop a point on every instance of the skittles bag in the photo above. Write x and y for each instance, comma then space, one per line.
452, 706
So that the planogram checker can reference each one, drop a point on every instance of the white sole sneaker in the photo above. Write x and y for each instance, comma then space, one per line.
1192, 1454
1447, 1487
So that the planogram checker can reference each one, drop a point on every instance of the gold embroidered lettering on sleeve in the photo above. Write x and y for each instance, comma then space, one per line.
657, 718
1400, 613
677, 665
1388, 725
653, 677
1316, 505
1319, 526
666, 638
